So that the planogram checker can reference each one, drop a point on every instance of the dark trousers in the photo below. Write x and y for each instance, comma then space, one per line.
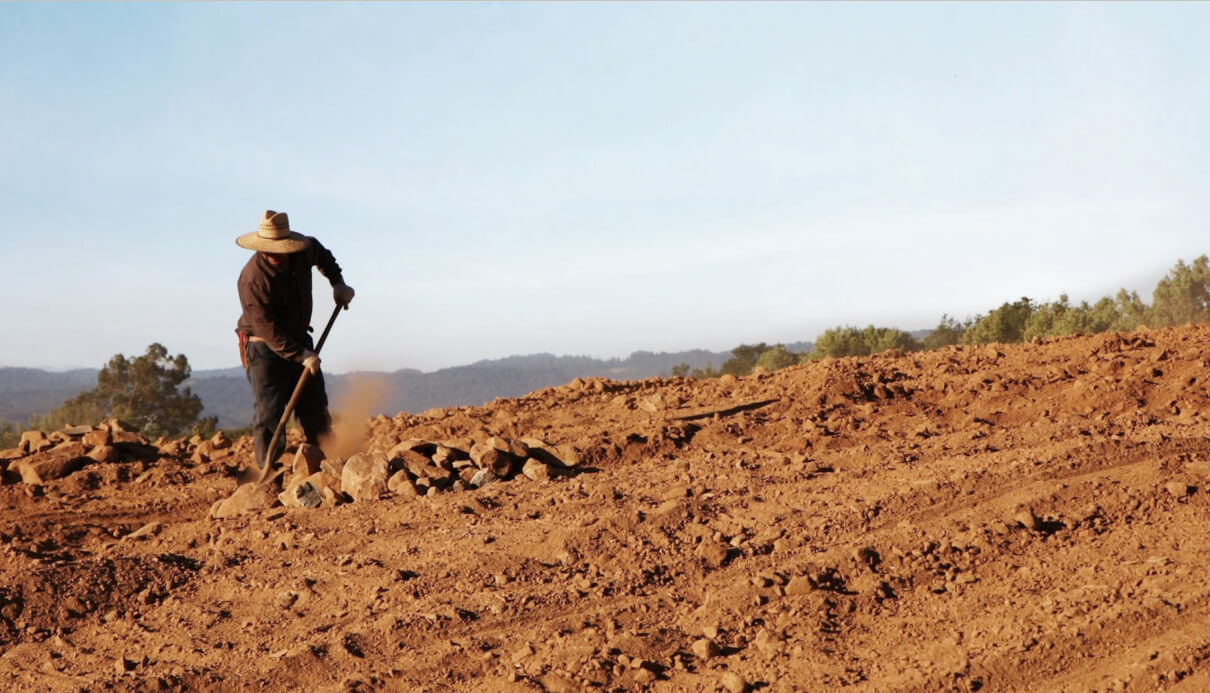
273, 381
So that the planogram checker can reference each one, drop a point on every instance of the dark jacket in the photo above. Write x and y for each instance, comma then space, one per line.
276, 301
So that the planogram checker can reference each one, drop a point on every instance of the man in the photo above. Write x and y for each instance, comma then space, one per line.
275, 294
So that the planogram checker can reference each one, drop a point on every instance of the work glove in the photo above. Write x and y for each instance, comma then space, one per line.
311, 362
343, 293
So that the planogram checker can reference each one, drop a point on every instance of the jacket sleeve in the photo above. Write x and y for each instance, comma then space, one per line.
259, 309
326, 262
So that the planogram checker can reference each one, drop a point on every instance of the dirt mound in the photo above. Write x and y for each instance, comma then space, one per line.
982, 518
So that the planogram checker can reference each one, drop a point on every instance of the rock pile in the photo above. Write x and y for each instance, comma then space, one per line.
41, 457
408, 469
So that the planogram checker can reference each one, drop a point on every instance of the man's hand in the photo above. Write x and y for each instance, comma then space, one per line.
343, 293
311, 362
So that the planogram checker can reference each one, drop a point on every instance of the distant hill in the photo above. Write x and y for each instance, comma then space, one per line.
226, 394
26, 391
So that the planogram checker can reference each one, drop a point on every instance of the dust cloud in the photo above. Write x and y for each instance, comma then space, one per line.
350, 430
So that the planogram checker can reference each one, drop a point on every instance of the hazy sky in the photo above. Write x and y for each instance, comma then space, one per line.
587, 178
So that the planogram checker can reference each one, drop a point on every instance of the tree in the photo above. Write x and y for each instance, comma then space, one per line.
1060, 318
681, 370
1005, 324
142, 391
1183, 295
776, 358
744, 358
851, 341
10, 435
947, 332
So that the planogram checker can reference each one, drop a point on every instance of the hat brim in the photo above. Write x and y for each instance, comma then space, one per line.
296, 242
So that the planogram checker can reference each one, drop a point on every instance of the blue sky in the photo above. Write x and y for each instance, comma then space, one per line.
584, 178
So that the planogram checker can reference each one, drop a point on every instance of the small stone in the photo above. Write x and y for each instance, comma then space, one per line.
1024, 516
220, 441
482, 478
557, 683
247, 498
33, 441
146, 531
96, 438
798, 585
705, 649
768, 643
488, 457
1180, 489
535, 470
104, 453
287, 599
714, 553
401, 485
732, 681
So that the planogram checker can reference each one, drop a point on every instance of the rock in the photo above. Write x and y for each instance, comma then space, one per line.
798, 585
104, 454
307, 460
220, 441
364, 476
481, 478
117, 425
705, 649
129, 437
50, 465
401, 485
768, 643
418, 464
569, 455
422, 447
247, 498
1199, 469
489, 457
732, 681
714, 553
301, 494
1180, 489
96, 438
333, 466
653, 404
726, 379
33, 441
1024, 516
76, 431
146, 531
556, 683
27, 472
535, 470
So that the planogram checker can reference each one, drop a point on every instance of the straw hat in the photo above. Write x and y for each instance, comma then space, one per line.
274, 236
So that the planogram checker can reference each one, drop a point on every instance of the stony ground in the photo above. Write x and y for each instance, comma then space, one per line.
1002, 518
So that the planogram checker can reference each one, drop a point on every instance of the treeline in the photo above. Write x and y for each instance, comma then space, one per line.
1182, 296
141, 390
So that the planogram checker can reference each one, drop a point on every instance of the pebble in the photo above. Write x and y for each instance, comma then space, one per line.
1179, 489
733, 682
705, 649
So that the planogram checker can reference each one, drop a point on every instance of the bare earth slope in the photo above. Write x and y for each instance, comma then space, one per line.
1004, 518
